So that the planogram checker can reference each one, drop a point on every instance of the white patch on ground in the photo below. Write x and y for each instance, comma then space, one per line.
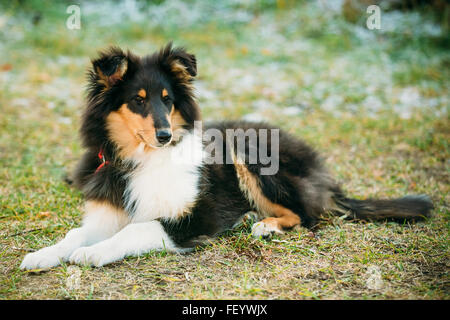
410, 97
408, 22
21, 102
175, 12
332, 102
262, 104
373, 278
372, 104
65, 120
291, 111
203, 92
254, 117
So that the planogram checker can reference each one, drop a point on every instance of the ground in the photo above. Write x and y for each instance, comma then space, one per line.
373, 102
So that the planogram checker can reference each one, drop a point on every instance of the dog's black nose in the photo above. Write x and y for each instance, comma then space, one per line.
163, 135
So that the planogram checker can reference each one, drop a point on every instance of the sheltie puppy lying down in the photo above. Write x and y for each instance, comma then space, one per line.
155, 177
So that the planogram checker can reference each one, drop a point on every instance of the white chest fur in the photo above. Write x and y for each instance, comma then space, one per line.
166, 181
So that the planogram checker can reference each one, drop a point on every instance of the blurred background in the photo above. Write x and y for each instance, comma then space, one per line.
253, 55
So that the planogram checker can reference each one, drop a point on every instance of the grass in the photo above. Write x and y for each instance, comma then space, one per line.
374, 103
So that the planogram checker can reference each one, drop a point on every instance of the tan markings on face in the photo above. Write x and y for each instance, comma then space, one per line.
142, 93
164, 93
276, 215
128, 129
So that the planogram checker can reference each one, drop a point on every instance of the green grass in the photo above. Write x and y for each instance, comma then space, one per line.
352, 89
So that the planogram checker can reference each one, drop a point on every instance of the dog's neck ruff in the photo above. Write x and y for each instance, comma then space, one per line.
165, 182
105, 162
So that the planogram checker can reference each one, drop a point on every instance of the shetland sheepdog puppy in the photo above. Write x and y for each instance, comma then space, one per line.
152, 181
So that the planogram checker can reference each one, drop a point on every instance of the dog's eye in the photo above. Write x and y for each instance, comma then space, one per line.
166, 98
139, 100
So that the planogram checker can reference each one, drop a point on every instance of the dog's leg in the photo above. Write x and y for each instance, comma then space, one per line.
279, 217
133, 240
100, 222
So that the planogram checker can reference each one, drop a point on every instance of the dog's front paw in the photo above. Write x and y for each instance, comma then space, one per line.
42, 259
90, 256
264, 230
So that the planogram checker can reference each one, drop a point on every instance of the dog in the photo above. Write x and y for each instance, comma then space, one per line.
138, 127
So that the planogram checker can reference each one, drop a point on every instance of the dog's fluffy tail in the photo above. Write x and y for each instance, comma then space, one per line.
408, 208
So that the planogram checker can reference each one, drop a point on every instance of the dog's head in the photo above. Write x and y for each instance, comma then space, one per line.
135, 101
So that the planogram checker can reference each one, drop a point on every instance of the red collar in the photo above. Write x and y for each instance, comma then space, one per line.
101, 156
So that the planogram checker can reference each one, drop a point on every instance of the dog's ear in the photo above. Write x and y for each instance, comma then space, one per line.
177, 61
111, 66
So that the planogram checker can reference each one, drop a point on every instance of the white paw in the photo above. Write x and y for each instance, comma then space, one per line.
263, 230
43, 259
91, 256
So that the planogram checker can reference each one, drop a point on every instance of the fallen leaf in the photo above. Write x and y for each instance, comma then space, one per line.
6, 67
44, 214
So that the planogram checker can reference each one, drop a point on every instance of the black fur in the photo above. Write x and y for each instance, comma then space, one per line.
302, 184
